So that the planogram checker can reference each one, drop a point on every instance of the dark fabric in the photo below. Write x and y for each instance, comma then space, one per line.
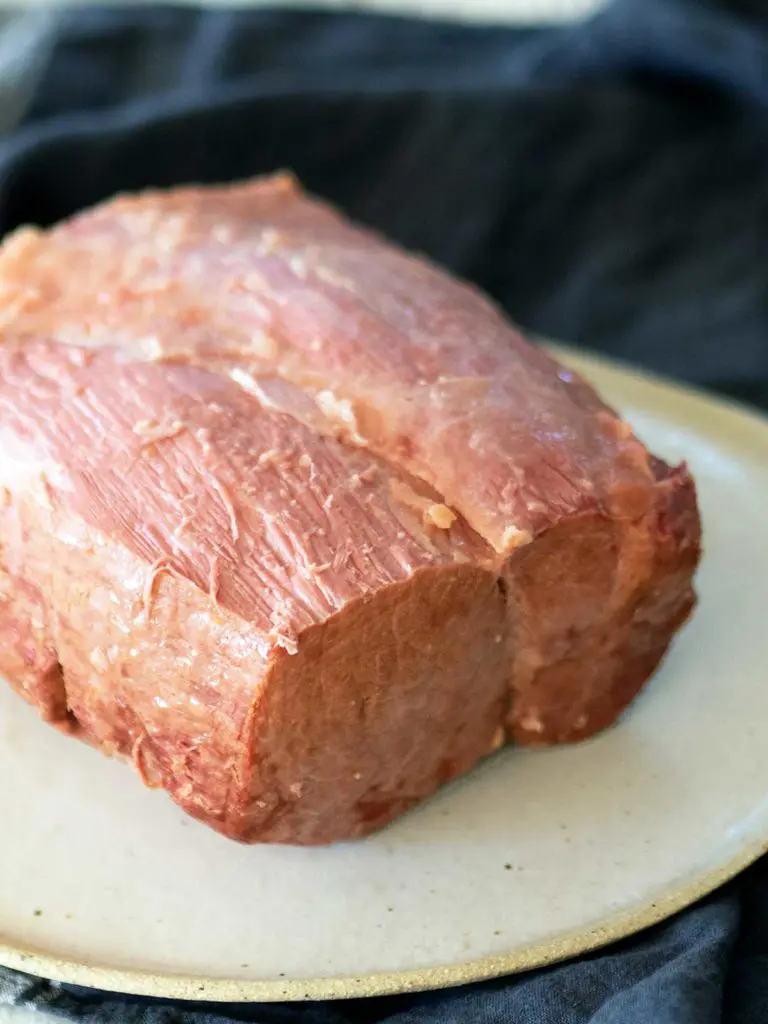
603, 181
607, 182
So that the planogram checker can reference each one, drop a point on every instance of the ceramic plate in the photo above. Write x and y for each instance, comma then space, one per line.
533, 857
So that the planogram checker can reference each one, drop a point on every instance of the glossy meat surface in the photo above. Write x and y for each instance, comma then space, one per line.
321, 320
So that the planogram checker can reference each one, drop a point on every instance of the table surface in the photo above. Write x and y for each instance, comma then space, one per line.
509, 11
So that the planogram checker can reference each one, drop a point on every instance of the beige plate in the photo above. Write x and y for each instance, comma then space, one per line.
534, 857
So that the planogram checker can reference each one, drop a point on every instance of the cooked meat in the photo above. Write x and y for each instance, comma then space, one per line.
301, 524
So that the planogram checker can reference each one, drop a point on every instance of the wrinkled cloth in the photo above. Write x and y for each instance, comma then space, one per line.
605, 182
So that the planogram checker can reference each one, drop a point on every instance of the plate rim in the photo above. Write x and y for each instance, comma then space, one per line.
131, 981
674, 898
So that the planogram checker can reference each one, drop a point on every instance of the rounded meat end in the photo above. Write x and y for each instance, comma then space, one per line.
594, 604
386, 701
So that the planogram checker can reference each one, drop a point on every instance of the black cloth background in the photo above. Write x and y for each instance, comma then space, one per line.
606, 182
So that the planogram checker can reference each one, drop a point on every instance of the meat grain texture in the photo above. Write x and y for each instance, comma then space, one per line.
303, 526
